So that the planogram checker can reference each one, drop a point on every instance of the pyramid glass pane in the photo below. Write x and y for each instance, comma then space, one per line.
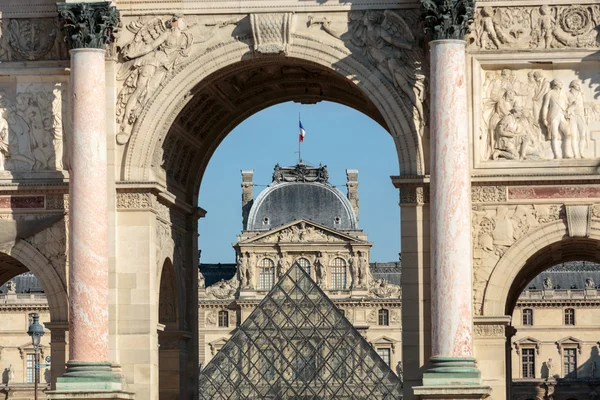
297, 345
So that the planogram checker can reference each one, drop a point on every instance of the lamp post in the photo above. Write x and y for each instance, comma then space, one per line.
36, 331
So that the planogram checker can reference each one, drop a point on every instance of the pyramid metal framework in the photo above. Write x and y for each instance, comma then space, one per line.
297, 345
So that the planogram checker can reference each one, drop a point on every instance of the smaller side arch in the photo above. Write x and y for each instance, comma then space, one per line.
532, 254
50, 280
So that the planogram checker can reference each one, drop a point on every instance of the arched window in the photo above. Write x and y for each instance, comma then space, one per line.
569, 316
384, 317
338, 274
266, 274
304, 264
528, 317
223, 319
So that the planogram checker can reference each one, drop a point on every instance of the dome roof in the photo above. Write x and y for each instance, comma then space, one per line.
301, 192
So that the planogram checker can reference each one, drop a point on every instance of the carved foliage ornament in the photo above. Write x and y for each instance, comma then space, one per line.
32, 39
88, 25
448, 19
544, 27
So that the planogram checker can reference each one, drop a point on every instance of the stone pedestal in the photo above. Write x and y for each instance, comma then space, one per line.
451, 373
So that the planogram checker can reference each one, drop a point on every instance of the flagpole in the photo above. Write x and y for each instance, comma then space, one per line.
299, 143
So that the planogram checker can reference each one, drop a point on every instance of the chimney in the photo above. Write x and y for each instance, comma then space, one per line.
352, 185
247, 196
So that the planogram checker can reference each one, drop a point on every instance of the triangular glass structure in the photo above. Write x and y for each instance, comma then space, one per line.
296, 345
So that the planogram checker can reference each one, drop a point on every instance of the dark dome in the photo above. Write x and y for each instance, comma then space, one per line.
284, 202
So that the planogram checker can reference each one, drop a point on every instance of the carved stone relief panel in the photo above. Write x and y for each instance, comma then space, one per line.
30, 39
531, 28
530, 116
33, 126
496, 228
151, 51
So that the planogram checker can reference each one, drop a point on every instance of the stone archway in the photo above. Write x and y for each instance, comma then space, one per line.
21, 257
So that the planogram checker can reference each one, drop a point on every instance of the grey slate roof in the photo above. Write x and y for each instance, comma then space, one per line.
26, 283
301, 192
571, 275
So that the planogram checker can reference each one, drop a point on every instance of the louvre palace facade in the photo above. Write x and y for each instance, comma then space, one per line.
110, 113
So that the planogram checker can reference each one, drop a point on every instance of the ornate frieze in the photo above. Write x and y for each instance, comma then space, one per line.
301, 173
414, 195
88, 25
489, 331
126, 200
531, 28
57, 202
384, 289
32, 132
447, 19
31, 39
301, 233
537, 114
223, 289
488, 194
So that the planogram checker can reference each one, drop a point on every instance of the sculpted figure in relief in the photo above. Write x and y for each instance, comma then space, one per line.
149, 59
534, 119
388, 43
245, 265
543, 27
11, 287
321, 270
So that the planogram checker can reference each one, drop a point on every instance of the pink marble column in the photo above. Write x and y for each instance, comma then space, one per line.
451, 272
88, 213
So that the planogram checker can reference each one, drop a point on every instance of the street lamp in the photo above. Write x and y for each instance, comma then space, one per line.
36, 331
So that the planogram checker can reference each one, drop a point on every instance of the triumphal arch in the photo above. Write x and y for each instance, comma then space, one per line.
110, 113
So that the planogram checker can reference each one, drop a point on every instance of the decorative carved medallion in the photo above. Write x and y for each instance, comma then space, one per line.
32, 39
488, 194
530, 28
489, 330
88, 25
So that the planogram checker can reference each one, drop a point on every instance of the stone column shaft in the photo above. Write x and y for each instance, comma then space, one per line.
88, 208
451, 271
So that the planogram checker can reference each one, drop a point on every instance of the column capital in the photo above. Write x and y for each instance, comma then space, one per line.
447, 19
88, 25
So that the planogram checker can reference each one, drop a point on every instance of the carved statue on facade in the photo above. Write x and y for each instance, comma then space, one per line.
283, 265
11, 375
223, 289
245, 265
149, 59
11, 287
543, 27
548, 283
384, 289
589, 283
578, 119
321, 270
363, 269
400, 372
550, 367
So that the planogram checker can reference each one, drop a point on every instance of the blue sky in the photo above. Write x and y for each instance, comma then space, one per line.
336, 136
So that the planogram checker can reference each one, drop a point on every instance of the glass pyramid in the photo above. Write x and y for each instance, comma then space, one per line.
296, 345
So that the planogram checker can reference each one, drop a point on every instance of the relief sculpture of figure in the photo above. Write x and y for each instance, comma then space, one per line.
15, 141
150, 58
390, 45
353, 265
321, 270
554, 116
577, 118
155, 49
547, 23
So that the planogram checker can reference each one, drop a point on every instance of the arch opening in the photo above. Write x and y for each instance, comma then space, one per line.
226, 98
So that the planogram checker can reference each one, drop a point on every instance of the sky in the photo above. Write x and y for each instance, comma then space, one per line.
337, 136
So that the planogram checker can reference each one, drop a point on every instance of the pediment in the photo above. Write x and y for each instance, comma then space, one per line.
569, 341
302, 231
528, 341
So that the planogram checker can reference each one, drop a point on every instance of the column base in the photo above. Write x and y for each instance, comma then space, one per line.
451, 371
90, 381
454, 392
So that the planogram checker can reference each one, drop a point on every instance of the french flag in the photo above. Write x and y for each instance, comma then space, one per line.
302, 132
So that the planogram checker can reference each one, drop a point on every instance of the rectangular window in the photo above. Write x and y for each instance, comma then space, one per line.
384, 354
338, 274
528, 363
569, 316
266, 278
528, 317
570, 363
30, 364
